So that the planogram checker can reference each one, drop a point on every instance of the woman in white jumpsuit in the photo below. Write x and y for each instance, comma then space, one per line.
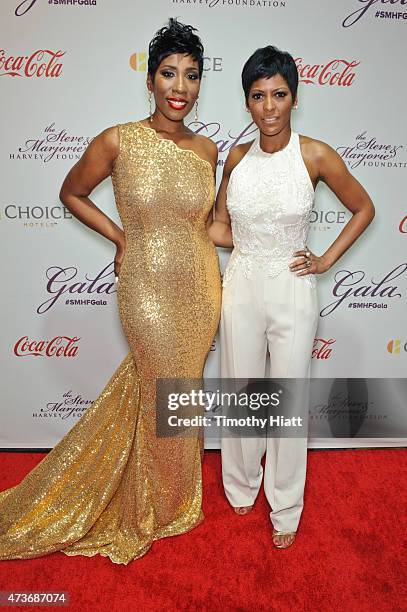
269, 297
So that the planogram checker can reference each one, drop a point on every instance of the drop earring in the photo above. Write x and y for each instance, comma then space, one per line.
196, 112
150, 103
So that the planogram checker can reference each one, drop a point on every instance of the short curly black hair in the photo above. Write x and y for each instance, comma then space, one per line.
267, 62
174, 38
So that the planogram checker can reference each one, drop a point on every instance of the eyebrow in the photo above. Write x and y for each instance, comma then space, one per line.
175, 67
283, 87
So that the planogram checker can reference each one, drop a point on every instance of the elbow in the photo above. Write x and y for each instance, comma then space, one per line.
366, 211
62, 195
372, 212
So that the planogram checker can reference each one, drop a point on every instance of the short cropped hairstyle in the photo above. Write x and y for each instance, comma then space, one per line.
174, 38
267, 62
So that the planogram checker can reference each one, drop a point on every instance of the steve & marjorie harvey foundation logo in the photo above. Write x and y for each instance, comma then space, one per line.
234, 4
52, 144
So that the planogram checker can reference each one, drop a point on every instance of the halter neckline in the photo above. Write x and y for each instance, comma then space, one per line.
266, 153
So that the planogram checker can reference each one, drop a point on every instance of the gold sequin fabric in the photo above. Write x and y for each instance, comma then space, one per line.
111, 486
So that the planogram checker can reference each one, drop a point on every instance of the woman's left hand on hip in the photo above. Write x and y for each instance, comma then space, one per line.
308, 263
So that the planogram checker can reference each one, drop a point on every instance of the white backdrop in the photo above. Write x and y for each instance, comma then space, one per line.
69, 69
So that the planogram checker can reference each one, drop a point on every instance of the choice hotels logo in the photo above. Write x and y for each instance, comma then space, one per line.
41, 63
395, 347
365, 8
138, 62
325, 220
35, 216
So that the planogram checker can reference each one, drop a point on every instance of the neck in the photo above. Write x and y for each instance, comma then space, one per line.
276, 142
162, 124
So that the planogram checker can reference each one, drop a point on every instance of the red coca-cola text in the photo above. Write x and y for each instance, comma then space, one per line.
321, 348
336, 72
41, 63
60, 346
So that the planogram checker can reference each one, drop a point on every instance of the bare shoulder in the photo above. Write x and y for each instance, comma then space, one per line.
236, 154
321, 159
207, 146
108, 141
315, 150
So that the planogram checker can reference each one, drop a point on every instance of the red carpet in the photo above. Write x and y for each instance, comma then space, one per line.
349, 553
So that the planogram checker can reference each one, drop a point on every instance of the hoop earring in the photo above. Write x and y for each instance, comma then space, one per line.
196, 112
150, 104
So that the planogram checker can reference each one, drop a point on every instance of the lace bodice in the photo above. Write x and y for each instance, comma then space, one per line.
269, 199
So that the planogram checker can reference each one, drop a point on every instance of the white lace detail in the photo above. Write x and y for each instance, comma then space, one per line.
269, 198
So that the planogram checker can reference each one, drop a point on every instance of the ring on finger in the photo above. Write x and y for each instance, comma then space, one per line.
307, 254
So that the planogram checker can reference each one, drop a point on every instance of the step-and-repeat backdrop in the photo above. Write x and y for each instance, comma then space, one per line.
70, 68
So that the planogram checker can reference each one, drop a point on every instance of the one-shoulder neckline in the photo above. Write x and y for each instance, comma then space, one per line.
174, 145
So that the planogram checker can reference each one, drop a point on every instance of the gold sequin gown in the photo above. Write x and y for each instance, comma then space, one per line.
110, 486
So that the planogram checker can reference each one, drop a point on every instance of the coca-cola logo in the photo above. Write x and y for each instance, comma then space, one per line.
363, 10
403, 225
339, 72
367, 151
65, 281
322, 348
41, 63
70, 405
24, 6
51, 145
59, 346
351, 288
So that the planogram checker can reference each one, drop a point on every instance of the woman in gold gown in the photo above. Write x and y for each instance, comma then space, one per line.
111, 486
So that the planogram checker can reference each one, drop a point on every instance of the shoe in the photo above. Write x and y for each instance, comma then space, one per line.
283, 533
243, 510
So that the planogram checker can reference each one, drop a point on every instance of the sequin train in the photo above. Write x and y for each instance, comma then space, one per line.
110, 486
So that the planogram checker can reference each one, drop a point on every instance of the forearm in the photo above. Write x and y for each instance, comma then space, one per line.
88, 213
220, 233
350, 233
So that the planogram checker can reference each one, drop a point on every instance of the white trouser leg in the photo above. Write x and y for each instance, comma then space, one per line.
292, 311
243, 355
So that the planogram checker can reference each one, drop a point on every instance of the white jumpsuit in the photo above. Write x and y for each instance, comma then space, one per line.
268, 307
